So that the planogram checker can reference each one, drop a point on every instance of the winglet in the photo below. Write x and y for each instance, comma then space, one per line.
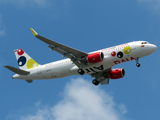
34, 32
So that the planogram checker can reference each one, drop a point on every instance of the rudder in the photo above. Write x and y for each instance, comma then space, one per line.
25, 62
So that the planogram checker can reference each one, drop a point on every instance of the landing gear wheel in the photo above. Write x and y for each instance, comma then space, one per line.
81, 72
95, 82
138, 65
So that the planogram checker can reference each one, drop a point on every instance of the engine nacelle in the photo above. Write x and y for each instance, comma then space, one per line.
117, 73
95, 57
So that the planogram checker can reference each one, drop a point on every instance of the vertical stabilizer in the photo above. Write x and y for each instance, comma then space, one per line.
25, 62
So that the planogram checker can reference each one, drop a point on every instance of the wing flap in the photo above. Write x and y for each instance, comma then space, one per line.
105, 82
102, 77
65, 54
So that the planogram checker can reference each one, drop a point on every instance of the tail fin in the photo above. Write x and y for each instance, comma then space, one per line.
25, 62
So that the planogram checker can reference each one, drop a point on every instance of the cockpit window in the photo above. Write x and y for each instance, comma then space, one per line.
145, 43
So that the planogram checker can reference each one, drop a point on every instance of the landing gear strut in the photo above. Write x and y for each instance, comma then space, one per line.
137, 64
81, 72
95, 82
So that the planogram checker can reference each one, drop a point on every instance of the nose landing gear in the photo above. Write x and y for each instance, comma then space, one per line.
137, 64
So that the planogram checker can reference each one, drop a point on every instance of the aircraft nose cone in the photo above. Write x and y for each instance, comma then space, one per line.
154, 48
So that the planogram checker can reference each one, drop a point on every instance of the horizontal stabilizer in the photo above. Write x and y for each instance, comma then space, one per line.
16, 70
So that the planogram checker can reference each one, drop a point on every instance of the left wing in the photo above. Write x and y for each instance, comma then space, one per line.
75, 55
79, 58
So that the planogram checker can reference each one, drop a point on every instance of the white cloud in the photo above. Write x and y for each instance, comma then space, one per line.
122, 108
37, 104
2, 29
151, 4
2, 32
147, 1
81, 101
42, 3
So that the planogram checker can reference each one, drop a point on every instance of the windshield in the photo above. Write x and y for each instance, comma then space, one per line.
145, 42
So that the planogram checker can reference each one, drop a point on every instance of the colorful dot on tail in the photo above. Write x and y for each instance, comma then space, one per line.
21, 61
31, 64
20, 52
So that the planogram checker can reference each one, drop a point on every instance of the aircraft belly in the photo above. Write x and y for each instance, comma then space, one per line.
49, 71
98, 67
60, 71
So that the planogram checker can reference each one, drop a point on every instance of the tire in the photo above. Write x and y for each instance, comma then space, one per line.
138, 65
95, 82
81, 72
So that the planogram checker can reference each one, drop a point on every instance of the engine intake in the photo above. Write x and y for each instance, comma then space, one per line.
117, 73
95, 57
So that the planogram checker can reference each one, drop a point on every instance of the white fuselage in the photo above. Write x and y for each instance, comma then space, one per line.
112, 56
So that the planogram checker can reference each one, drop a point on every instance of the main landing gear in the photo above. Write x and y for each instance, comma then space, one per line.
137, 64
95, 82
81, 72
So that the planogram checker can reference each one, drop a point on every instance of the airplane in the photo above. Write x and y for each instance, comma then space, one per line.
97, 64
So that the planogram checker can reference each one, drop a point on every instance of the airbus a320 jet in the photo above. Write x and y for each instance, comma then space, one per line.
97, 64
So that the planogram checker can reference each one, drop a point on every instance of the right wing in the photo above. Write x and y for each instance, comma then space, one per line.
102, 77
75, 55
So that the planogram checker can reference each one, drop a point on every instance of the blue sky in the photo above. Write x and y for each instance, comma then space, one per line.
87, 26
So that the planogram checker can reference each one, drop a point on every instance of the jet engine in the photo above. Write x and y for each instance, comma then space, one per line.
95, 57
117, 73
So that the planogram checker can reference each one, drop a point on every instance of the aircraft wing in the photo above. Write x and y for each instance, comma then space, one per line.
102, 77
75, 55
